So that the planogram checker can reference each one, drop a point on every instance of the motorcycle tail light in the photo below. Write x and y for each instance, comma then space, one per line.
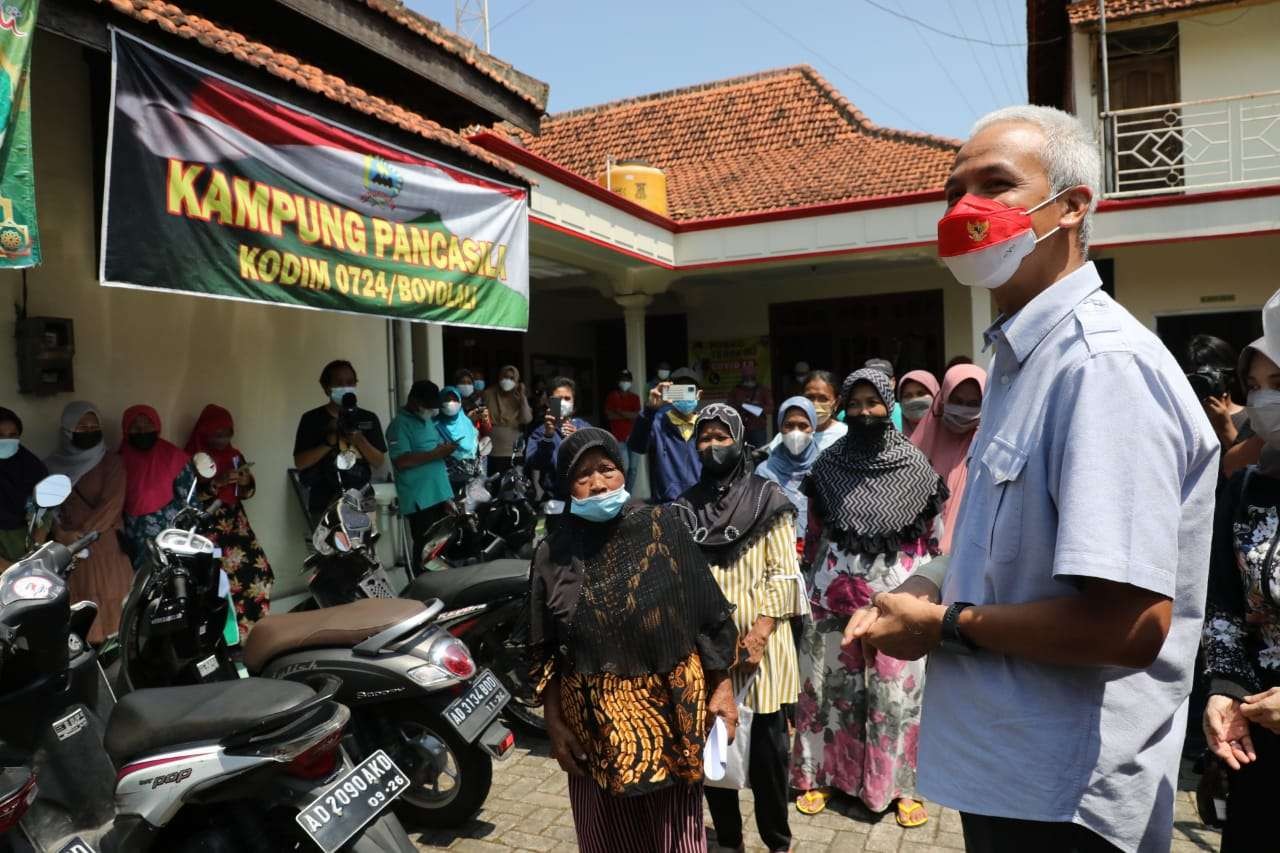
318, 761
453, 656
14, 801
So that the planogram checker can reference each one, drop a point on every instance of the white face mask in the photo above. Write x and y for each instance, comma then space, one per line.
624, 385
961, 418
451, 408
466, 390
796, 441
994, 265
664, 374
917, 407
1264, 415
566, 408
507, 384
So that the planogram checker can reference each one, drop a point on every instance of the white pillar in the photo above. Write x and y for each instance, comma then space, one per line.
404, 359
981, 319
633, 310
435, 353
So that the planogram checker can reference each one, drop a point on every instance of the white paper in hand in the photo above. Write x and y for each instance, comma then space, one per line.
752, 409
715, 754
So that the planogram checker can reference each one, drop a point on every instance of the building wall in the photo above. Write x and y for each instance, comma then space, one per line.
1230, 53
1173, 277
175, 352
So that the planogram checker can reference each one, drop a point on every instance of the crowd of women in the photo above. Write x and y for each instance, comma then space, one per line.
634, 651
128, 495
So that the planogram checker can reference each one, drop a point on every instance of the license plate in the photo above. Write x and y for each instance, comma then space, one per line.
471, 712
351, 802
77, 845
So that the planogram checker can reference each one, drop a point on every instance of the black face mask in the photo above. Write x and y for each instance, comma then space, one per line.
143, 440
720, 459
868, 426
86, 440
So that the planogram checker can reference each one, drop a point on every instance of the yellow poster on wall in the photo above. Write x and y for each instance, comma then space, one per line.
724, 363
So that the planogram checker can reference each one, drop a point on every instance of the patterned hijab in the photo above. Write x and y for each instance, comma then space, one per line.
731, 511
875, 490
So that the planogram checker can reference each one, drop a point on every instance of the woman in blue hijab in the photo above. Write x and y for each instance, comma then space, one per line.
456, 428
789, 462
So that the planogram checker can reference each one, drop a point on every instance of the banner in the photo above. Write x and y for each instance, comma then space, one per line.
216, 190
19, 239
723, 363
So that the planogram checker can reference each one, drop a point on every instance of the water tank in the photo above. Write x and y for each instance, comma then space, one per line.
638, 181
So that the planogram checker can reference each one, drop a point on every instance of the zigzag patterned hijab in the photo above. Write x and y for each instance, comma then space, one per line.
875, 490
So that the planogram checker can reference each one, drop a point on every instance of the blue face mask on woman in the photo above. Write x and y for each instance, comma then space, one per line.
9, 447
600, 507
686, 407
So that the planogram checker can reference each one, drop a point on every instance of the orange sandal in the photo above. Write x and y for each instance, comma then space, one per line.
913, 815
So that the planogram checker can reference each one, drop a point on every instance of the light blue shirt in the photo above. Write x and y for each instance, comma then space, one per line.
1094, 459
422, 486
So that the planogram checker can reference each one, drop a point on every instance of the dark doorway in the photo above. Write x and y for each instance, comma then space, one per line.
486, 350
666, 338
841, 334
1238, 328
1143, 70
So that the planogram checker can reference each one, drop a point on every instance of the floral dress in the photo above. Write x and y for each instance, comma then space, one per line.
139, 529
243, 559
857, 723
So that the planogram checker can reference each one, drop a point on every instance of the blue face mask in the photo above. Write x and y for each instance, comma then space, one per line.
686, 407
479, 383
8, 447
600, 507
336, 394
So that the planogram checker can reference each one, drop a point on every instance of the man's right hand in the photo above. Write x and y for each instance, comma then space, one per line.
549, 428
1227, 731
655, 394
566, 749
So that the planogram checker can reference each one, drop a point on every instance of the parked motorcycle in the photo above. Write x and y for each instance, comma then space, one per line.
413, 689
252, 765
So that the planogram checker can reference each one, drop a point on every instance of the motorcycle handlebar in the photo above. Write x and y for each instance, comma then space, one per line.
83, 542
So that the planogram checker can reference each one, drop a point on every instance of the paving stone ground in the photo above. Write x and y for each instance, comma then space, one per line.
528, 810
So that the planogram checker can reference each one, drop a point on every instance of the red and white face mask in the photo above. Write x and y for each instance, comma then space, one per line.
983, 241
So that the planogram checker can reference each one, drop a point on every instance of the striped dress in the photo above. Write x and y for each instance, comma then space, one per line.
763, 582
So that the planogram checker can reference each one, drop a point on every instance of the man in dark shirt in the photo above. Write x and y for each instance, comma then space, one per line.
325, 432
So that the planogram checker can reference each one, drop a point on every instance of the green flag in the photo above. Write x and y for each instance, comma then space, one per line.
19, 240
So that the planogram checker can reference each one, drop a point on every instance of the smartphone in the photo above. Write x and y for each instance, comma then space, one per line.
555, 408
677, 393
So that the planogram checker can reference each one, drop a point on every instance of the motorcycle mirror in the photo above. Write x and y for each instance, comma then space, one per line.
52, 491
205, 466
346, 460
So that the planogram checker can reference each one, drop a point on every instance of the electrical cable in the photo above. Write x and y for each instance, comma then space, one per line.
511, 15
946, 71
870, 92
977, 63
986, 28
951, 35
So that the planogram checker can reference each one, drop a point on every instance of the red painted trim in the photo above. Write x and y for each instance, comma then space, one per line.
602, 243
824, 209
1235, 235
1107, 205
494, 144
155, 762
861, 250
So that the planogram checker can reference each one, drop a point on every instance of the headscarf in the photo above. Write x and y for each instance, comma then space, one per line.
69, 459
18, 477
946, 451
573, 448
149, 473
789, 471
1269, 459
730, 512
500, 396
877, 492
926, 379
212, 419
458, 429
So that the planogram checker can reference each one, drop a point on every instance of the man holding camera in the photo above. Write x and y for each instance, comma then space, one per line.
664, 431
327, 431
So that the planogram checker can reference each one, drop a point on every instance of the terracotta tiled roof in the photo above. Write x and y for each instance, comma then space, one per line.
176, 21
530, 89
769, 141
1086, 11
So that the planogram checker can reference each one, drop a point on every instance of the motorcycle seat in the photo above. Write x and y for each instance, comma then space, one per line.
467, 585
342, 626
147, 721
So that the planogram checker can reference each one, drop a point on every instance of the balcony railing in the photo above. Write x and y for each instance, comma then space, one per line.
1193, 145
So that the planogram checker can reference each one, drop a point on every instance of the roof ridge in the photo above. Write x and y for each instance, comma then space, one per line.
695, 89
858, 117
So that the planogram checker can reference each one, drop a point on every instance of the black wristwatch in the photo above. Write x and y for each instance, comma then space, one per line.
952, 639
